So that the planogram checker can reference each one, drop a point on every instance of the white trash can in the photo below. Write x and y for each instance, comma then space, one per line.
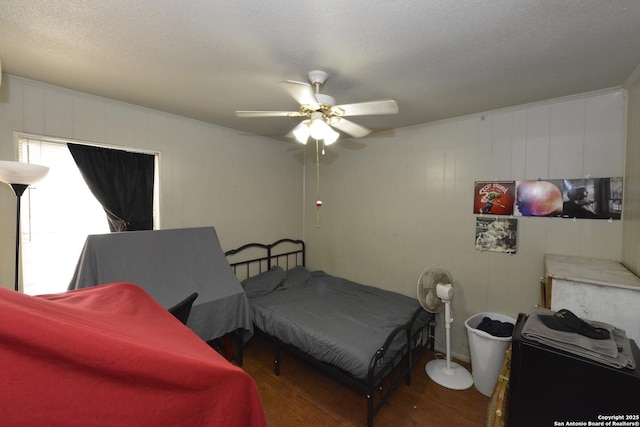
487, 351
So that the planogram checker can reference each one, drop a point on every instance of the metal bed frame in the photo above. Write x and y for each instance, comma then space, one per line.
400, 364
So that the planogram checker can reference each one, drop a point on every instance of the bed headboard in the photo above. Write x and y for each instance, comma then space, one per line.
254, 258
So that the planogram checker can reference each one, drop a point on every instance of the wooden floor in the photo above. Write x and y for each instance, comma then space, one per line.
304, 396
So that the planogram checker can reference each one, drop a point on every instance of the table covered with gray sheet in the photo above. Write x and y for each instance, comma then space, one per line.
170, 265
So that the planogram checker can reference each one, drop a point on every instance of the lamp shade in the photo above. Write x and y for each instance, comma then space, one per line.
318, 129
302, 132
21, 173
330, 136
315, 127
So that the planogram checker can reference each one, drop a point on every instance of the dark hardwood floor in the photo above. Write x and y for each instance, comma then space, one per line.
304, 396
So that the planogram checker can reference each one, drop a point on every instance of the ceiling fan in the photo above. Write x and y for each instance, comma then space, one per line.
320, 112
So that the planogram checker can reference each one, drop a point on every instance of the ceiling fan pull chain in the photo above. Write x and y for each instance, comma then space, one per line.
318, 201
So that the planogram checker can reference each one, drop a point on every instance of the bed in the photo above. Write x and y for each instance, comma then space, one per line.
111, 355
359, 334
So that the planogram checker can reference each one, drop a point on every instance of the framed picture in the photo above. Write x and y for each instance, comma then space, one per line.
496, 234
539, 198
494, 197
598, 198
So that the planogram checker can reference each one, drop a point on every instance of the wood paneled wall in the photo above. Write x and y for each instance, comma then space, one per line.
248, 187
402, 200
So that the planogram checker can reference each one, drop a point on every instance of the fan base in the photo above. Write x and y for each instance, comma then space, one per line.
456, 378
317, 77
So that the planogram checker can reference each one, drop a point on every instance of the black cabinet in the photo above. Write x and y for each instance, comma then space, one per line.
550, 387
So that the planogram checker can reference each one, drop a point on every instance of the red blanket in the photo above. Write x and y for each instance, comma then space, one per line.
110, 355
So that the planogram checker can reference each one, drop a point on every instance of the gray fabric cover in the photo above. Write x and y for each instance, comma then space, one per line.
296, 276
263, 283
615, 351
335, 320
170, 265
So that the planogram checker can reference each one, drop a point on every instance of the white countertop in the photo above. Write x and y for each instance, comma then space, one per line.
590, 270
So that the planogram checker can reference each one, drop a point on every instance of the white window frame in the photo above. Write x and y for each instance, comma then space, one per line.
21, 136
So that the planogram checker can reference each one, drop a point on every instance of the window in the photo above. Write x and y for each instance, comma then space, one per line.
57, 215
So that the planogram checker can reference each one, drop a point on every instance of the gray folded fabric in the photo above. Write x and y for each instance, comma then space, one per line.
615, 351
624, 349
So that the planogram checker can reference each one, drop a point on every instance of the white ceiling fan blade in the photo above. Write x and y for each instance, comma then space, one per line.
302, 92
349, 127
268, 114
388, 106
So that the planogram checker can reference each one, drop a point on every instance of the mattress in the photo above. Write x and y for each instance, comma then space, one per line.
336, 320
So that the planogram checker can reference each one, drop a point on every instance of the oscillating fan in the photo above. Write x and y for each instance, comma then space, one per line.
434, 293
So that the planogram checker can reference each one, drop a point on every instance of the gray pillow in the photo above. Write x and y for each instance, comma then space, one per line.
296, 276
263, 283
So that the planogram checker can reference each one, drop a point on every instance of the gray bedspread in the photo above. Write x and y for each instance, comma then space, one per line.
335, 320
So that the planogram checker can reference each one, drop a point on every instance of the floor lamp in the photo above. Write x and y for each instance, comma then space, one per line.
19, 176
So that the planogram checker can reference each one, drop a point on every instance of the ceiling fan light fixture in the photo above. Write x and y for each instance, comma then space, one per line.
320, 112
331, 136
302, 132
318, 129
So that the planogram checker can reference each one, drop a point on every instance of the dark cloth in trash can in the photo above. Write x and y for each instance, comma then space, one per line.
496, 327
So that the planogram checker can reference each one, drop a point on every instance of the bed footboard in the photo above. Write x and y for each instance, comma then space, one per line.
386, 372
413, 348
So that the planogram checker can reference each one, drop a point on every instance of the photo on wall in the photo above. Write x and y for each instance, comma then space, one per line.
496, 234
539, 198
494, 197
598, 198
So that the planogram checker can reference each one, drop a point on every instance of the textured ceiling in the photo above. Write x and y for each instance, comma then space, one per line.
205, 59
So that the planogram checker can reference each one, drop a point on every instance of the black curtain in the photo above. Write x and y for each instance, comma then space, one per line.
121, 181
